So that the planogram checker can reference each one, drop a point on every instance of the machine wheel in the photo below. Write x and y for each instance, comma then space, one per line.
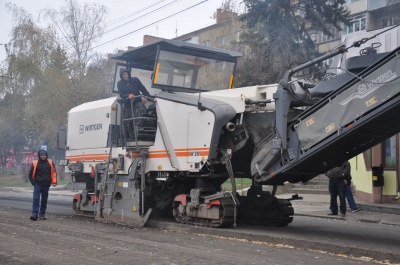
75, 205
179, 212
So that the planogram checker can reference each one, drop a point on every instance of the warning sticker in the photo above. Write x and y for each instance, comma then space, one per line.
310, 121
371, 102
330, 127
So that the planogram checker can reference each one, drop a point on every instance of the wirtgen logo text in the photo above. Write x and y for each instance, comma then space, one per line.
366, 88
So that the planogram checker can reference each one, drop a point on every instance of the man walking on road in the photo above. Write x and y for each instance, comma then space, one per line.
42, 174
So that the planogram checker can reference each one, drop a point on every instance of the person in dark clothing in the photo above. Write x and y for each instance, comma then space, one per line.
42, 174
128, 88
337, 187
349, 195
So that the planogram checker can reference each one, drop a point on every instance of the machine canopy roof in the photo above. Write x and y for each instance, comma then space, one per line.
146, 54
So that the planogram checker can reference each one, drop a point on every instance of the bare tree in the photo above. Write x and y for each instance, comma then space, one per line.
45, 83
80, 26
29, 52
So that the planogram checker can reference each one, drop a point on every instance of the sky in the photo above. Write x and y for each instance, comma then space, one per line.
193, 15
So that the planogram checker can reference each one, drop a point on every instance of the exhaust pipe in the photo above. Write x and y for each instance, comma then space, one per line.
230, 126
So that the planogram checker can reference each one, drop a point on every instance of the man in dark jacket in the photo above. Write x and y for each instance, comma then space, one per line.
42, 174
128, 88
337, 186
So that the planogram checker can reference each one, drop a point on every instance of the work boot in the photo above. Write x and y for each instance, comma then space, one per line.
33, 218
42, 218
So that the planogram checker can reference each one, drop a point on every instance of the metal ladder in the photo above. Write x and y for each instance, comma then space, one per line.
145, 131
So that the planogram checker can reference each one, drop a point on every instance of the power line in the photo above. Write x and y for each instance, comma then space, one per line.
133, 13
72, 45
147, 25
141, 16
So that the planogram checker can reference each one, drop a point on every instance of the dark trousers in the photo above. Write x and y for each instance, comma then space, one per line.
40, 191
337, 188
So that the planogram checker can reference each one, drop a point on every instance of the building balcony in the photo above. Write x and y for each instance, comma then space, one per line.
377, 4
383, 13
357, 7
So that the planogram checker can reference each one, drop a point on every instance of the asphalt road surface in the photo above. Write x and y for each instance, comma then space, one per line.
67, 239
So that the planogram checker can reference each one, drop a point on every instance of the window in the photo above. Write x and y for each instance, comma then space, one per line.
176, 71
324, 37
387, 22
221, 41
368, 159
357, 24
207, 43
363, 24
356, 27
194, 40
237, 36
389, 152
223, 66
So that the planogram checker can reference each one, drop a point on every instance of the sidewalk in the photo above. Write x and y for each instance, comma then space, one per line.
317, 205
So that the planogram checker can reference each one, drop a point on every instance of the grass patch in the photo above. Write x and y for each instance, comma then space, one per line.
240, 184
17, 181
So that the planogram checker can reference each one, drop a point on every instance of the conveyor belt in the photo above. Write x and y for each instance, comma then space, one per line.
358, 135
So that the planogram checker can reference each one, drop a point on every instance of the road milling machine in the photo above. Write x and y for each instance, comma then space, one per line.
198, 132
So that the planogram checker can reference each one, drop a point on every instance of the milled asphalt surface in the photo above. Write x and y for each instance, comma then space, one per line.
312, 205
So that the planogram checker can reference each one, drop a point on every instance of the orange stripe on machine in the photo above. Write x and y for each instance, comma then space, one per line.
180, 152
91, 157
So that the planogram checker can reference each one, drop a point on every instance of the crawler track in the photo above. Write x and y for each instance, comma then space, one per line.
279, 213
226, 218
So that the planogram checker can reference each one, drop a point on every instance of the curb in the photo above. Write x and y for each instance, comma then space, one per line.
361, 220
379, 209
6, 189
58, 187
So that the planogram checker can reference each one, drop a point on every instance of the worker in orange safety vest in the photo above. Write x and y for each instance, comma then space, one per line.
42, 174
